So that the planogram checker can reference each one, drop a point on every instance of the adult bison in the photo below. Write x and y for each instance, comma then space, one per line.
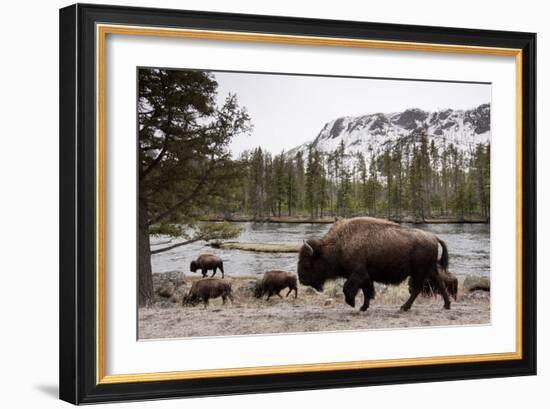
366, 250
273, 282
207, 262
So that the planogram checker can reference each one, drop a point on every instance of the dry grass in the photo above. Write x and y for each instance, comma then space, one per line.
311, 311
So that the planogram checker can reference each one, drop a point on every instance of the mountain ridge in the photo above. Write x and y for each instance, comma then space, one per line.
371, 134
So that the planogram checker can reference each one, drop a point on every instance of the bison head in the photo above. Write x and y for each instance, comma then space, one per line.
311, 266
259, 289
193, 266
190, 299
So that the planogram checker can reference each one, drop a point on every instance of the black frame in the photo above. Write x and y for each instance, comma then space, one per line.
77, 204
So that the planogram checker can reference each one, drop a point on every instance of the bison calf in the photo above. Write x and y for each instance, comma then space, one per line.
207, 288
430, 288
207, 262
275, 281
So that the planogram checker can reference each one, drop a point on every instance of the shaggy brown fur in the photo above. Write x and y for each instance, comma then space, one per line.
430, 287
207, 288
207, 262
274, 282
366, 250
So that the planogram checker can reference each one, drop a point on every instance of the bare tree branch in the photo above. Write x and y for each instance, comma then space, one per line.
173, 246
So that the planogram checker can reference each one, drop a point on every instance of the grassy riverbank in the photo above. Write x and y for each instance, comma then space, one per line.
311, 311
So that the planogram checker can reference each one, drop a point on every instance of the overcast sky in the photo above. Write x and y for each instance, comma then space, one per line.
289, 110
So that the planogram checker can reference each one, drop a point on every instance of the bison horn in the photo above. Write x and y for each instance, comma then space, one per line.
309, 248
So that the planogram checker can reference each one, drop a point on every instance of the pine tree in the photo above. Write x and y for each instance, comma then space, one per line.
323, 188
331, 181
256, 184
445, 179
397, 167
300, 180
415, 184
435, 199
279, 182
481, 165
425, 175
184, 161
387, 172
458, 198
363, 183
269, 193
310, 184
372, 187
291, 186
344, 198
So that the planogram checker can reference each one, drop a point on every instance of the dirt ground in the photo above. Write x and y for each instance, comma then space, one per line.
311, 311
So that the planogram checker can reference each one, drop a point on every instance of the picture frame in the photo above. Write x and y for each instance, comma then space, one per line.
83, 218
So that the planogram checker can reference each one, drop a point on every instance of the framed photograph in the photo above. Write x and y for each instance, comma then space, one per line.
257, 203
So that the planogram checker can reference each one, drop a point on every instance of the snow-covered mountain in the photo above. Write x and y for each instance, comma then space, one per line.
372, 134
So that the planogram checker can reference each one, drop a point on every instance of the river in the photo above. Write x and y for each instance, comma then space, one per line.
468, 244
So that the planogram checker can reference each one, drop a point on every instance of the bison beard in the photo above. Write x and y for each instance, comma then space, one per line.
366, 250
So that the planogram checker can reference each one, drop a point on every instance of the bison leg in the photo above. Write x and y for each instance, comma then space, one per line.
214, 272
442, 288
414, 293
455, 288
359, 280
269, 294
295, 289
279, 294
368, 293
416, 285
350, 291
204, 272
221, 269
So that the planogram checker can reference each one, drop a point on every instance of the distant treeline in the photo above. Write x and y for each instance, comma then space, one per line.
416, 181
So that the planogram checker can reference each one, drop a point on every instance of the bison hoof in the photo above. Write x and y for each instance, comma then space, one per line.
364, 308
405, 308
447, 306
350, 301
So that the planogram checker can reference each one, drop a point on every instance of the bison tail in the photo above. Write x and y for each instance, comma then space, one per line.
444, 260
